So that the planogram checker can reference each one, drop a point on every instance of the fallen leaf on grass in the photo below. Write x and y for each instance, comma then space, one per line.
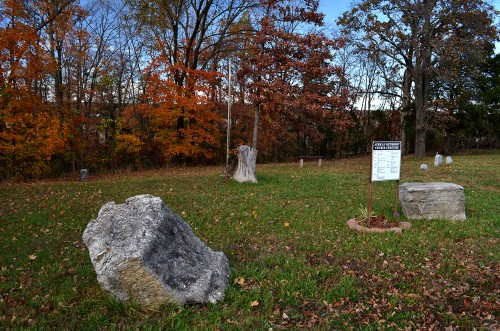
33, 257
240, 281
254, 303
287, 225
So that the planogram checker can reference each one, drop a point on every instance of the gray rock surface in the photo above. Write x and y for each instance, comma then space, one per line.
143, 252
432, 201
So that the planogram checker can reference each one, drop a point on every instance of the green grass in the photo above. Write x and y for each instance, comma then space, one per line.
285, 236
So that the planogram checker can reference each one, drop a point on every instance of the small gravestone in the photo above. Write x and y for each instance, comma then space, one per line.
84, 174
320, 162
438, 160
432, 201
301, 163
449, 160
144, 252
424, 166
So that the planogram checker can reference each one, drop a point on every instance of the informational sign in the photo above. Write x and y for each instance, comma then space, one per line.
386, 160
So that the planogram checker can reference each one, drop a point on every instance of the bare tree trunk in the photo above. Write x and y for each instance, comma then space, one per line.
422, 68
256, 128
405, 107
247, 157
421, 115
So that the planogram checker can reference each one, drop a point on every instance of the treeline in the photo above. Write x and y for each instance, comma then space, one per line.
112, 84
430, 65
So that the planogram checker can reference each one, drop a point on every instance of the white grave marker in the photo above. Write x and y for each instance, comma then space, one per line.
438, 160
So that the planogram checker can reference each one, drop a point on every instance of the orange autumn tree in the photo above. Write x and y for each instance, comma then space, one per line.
186, 39
30, 132
184, 119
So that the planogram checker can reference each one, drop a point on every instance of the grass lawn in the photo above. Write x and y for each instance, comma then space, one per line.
294, 262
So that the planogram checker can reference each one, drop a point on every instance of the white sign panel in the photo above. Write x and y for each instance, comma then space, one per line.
386, 160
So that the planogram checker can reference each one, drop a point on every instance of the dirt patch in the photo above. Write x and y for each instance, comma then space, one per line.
379, 221
489, 189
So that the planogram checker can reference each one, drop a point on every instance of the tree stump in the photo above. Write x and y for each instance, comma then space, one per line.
247, 158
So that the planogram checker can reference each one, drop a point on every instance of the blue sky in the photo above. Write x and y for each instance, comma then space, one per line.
333, 9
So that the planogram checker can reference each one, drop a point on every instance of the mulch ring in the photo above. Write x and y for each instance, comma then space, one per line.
378, 224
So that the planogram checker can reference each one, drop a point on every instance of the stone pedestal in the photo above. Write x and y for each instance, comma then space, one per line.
432, 201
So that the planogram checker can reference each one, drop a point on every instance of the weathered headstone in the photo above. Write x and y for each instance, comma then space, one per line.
424, 166
449, 160
320, 162
143, 252
432, 201
301, 163
84, 174
438, 160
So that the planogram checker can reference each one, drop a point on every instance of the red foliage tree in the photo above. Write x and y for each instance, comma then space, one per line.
288, 71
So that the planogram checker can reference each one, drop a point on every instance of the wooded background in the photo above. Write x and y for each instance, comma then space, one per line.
112, 84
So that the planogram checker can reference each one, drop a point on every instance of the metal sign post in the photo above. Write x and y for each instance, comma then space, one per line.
397, 199
370, 195
228, 132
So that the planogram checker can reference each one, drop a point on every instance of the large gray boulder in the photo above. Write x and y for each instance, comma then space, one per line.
143, 252
432, 201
